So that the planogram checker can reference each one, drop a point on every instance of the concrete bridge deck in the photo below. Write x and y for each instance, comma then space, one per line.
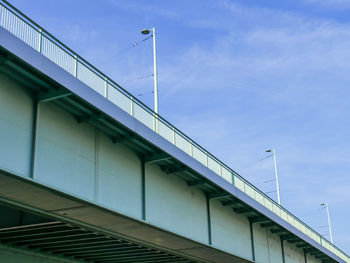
88, 173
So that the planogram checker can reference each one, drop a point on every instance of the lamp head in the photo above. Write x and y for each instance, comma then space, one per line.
268, 150
145, 31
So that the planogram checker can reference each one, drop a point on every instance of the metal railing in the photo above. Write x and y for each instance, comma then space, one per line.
38, 38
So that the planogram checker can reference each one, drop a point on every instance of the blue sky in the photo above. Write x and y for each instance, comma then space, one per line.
238, 77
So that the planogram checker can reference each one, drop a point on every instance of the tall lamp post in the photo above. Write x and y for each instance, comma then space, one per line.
276, 174
329, 221
146, 32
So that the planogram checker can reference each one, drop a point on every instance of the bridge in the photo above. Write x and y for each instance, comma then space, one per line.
88, 173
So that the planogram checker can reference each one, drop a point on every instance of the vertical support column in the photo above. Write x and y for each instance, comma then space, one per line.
282, 247
143, 189
252, 239
34, 136
208, 219
96, 165
305, 256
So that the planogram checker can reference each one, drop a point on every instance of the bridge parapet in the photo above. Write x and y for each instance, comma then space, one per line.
39, 39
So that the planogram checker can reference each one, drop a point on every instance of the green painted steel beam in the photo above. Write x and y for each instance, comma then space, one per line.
79, 106
289, 237
173, 169
243, 210
68, 108
118, 252
53, 95
304, 245
27, 72
87, 247
56, 242
28, 228
279, 231
260, 219
136, 256
91, 118
268, 224
218, 195
197, 183
41, 235
73, 244
233, 203
21, 80
161, 260
157, 158
310, 250
55, 238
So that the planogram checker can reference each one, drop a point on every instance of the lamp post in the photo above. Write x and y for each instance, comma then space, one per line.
146, 32
276, 174
329, 221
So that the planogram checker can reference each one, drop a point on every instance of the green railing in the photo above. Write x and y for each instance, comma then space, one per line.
39, 39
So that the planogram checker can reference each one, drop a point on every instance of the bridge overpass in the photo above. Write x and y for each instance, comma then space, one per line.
88, 173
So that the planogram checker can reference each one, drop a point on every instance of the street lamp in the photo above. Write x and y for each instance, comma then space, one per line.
146, 32
276, 174
329, 221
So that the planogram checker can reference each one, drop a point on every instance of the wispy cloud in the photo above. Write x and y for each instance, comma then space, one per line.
337, 4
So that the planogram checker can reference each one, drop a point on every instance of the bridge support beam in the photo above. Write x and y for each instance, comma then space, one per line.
305, 256
34, 136
282, 248
209, 218
252, 238
143, 188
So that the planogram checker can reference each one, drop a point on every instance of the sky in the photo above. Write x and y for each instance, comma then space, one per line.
238, 77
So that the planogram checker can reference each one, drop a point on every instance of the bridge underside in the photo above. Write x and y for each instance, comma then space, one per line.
24, 230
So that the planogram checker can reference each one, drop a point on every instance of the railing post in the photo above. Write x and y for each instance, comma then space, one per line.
191, 148
174, 138
0, 13
207, 159
106, 88
76, 66
220, 170
40, 40
155, 122
132, 106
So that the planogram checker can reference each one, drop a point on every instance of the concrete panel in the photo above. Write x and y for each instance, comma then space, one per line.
292, 254
16, 113
275, 249
15, 255
65, 152
172, 205
119, 173
230, 232
261, 244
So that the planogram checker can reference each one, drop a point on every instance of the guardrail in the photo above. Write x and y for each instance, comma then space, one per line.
38, 38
